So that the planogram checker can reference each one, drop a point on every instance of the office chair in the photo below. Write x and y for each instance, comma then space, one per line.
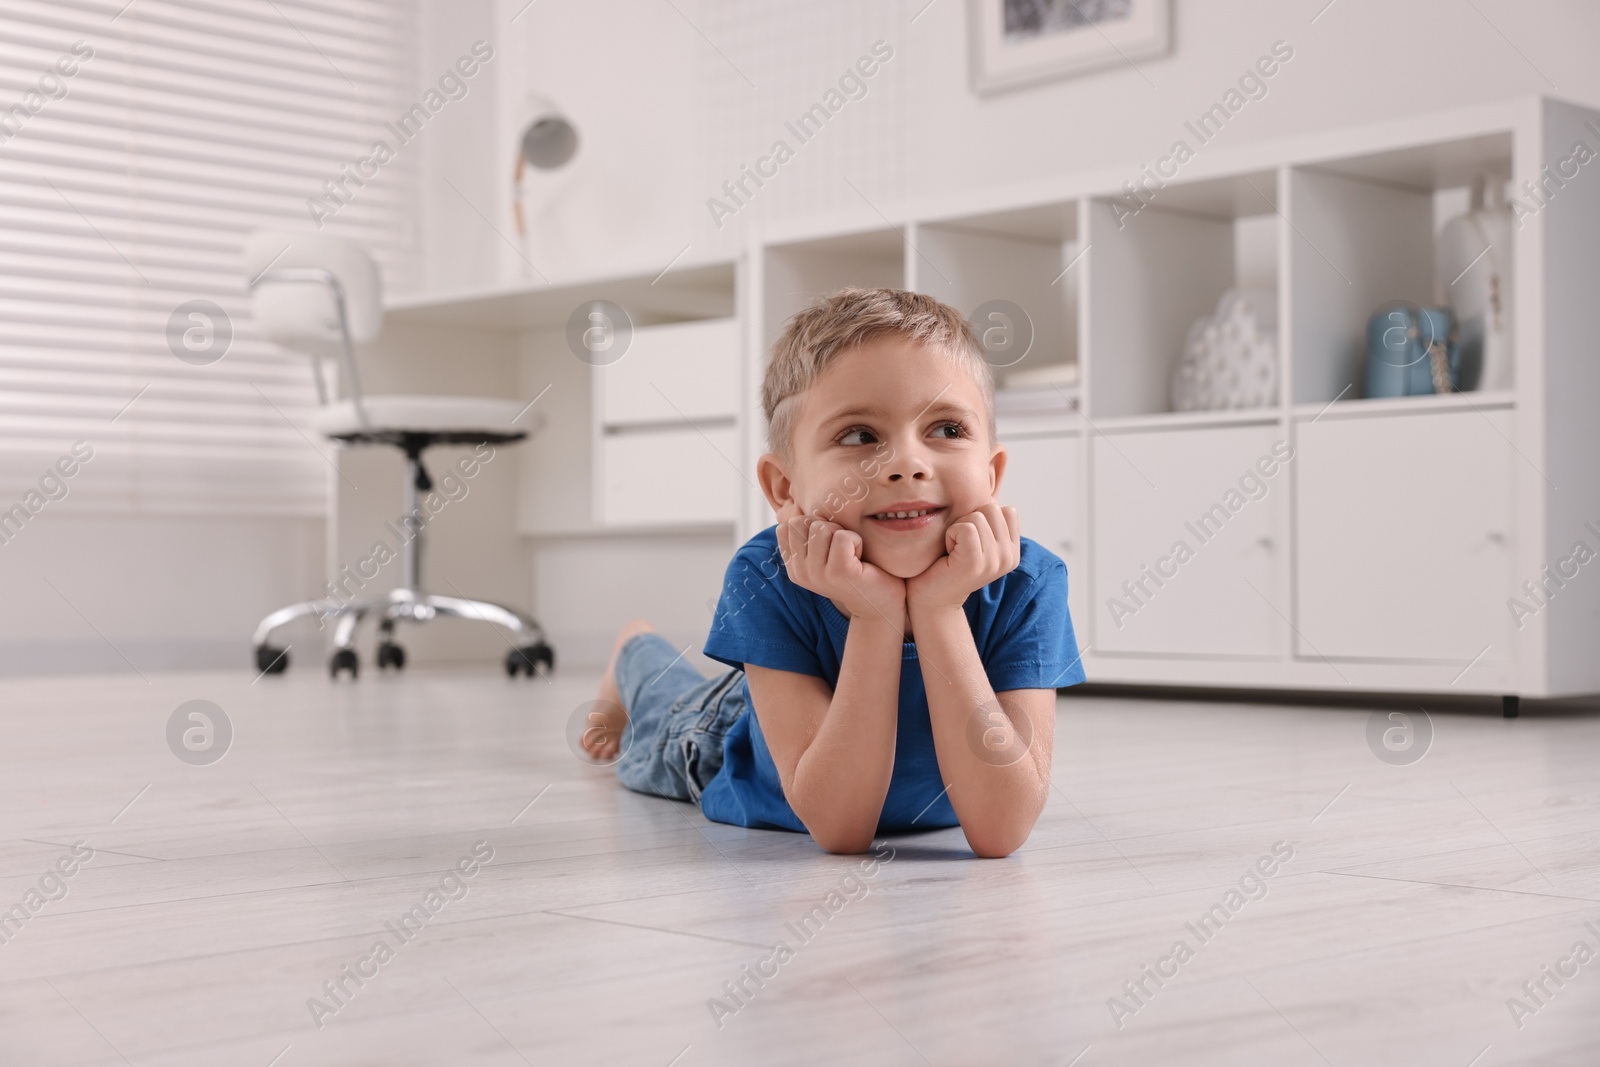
312, 292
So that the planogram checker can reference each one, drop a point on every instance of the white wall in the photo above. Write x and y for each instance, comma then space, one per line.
103, 592
459, 169
587, 587
666, 112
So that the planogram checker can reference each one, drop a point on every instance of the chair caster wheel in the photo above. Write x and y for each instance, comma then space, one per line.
271, 660
391, 655
344, 660
540, 658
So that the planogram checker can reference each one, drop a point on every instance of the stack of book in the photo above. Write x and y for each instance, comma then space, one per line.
1037, 390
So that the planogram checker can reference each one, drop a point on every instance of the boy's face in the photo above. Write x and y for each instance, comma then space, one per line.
891, 425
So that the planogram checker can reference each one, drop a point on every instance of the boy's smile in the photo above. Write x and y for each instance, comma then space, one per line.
892, 442
909, 515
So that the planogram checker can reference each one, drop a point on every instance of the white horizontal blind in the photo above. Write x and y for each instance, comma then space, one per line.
127, 188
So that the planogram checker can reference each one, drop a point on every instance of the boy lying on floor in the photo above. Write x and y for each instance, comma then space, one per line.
897, 638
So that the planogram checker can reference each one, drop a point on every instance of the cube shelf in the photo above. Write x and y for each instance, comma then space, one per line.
1022, 258
1152, 273
1363, 235
1383, 549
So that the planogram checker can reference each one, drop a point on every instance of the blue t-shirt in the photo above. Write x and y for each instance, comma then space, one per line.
1019, 624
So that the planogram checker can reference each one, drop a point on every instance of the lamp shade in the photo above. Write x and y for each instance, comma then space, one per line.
549, 139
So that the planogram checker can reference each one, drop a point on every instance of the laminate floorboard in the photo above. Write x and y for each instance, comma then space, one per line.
608, 927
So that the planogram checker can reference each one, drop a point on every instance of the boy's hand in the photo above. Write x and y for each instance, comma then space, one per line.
825, 558
980, 547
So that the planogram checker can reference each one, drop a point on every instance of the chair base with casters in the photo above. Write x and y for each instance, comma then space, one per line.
529, 652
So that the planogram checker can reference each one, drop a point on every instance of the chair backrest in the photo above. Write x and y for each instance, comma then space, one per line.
291, 311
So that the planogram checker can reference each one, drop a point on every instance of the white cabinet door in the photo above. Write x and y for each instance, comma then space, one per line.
685, 370
1043, 481
1188, 525
1402, 526
656, 477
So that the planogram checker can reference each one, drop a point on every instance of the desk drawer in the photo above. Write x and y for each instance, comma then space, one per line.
669, 475
682, 370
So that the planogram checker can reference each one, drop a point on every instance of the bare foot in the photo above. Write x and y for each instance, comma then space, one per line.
603, 738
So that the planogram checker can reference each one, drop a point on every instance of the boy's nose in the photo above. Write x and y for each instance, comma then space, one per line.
906, 458
907, 463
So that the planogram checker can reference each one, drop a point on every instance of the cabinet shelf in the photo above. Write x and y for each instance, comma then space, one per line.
1183, 420
1157, 267
1405, 405
1008, 272
1385, 533
1363, 236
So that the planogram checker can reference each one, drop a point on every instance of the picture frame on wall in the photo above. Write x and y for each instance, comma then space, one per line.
1014, 43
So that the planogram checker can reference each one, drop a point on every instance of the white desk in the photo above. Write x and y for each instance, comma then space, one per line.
536, 527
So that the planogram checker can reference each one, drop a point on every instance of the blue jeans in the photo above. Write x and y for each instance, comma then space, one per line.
677, 718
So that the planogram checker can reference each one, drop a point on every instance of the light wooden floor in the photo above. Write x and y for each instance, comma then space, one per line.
220, 900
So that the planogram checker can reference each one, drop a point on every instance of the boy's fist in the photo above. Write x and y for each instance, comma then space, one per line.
825, 558
979, 547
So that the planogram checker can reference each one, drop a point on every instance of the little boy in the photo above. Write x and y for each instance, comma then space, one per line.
898, 640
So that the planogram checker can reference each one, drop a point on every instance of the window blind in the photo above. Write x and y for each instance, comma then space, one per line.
139, 144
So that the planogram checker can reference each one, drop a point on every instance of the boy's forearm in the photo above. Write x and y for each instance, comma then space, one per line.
997, 805
841, 780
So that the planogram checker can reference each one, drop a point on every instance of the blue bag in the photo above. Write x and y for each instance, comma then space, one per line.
1412, 351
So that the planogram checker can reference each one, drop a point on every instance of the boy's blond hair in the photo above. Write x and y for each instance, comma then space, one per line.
849, 317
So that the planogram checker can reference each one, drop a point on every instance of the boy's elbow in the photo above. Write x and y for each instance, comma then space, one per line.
842, 844
996, 842
840, 837
835, 831
996, 834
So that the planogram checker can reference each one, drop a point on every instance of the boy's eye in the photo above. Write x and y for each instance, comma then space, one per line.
846, 439
960, 430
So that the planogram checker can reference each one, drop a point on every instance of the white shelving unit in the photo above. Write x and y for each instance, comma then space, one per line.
1382, 549
1334, 542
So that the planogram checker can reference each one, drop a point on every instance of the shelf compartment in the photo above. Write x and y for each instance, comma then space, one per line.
797, 274
1019, 256
1151, 274
1363, 231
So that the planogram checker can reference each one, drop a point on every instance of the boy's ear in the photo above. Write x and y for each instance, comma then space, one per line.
997, 470
775, 483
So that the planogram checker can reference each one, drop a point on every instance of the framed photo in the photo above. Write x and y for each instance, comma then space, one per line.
1023, 42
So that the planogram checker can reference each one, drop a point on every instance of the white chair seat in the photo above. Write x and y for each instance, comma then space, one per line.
424, 414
